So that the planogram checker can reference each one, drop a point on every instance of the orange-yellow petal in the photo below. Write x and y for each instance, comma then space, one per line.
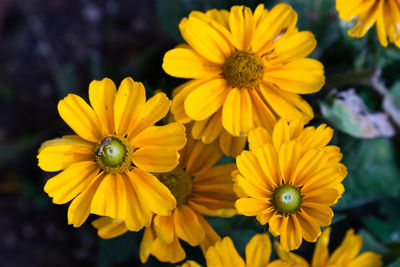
70, 182
129, 101
258, 251
187, 225
57, 154
156, 195
186, 63
80, 117
155, 159
101, 96
206, 99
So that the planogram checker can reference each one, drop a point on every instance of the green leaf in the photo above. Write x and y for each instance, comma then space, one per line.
372, 170
348, 113
394, 264
170, 13
387, 227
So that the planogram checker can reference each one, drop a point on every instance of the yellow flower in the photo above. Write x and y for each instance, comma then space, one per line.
200, 188
248, 70
223, 253
385, 13
346, 255
289, 180
106, 168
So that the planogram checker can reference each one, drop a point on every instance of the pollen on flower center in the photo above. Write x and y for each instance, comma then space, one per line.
114, 154
286, 199
179, 183
243, 69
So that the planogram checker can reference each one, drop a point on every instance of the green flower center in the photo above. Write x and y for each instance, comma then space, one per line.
179, 183
114, 154
243, 69
287, 199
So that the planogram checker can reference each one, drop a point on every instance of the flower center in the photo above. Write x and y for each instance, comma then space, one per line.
243, 69
179, 183
286, 199
114, 154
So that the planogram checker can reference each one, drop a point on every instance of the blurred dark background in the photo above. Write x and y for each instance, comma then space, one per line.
51, 48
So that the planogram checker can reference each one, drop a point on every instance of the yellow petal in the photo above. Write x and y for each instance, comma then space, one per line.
186, 63
206, 99
223, 253
258, 251
321, 214
164, 228
201, 157
72, 181
309, 227
281, 18
208, 129
316, 138
348, 249
268, 160
110, 197
231, 145
249, 166
250, 189
264, 216
290, 231
138, 213
298, 45
321, 252
101, 96
301, 76
190, 264
156, 159
57, 154
109, 228
213, 192
79, 208
80, 117
205, 40
153, 110
258, 137
263, 114
128, 104
156, 195
146, 244
310, 164
179, 96
367, 259
287, 105
187, 225
172, 252
242, 26
171, 135
237, 116
251, 206
289, 156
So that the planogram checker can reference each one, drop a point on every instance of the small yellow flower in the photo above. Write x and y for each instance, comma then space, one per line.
385, 13
223, 253
248, 70
106, 168
200, 188
289, 180
346, 255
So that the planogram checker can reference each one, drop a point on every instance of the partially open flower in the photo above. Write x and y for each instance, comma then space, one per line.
289, 180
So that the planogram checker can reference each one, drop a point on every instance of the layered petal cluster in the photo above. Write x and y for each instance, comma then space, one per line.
210, 193
290, 179
247, 70
106, 168
346, 255
385, 13
224, 253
